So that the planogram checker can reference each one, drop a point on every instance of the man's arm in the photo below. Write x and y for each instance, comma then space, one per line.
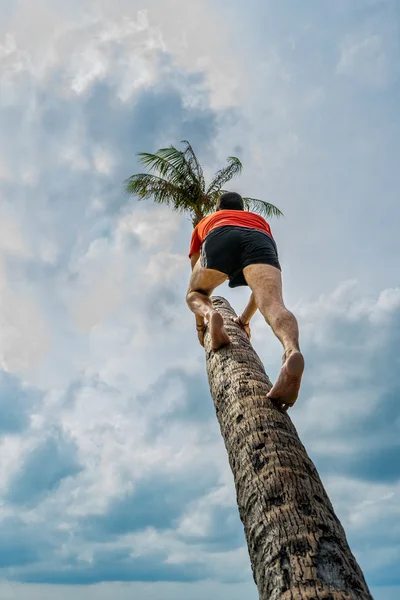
245, 317
199, 320
249, 311
194, 258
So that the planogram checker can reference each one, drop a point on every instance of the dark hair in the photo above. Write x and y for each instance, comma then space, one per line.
230, 201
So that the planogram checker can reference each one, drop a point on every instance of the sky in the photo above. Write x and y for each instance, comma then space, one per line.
114, 478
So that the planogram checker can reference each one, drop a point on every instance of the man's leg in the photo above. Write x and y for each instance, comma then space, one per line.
202, 284
266, 284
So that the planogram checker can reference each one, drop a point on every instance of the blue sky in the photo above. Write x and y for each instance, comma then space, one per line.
114, 478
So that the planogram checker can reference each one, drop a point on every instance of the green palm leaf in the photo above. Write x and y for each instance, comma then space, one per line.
167, 163
194, 164
224, 175
263, 208
181, 168
157, 163
145, 185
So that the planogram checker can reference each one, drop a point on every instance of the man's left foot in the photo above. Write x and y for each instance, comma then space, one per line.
286, 389
219, 337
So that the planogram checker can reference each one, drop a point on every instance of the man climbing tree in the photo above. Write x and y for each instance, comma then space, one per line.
238, 245
297, 546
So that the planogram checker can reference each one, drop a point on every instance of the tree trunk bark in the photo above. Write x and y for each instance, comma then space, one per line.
298, 548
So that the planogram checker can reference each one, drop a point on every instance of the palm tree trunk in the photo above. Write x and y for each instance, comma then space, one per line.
298, 548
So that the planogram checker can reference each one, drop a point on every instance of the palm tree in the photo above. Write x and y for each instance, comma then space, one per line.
179, 182
297, 546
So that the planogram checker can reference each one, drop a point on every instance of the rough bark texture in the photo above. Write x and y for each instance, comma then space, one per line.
297, 546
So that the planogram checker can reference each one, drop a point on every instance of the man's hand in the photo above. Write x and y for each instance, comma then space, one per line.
246, 316
244, 326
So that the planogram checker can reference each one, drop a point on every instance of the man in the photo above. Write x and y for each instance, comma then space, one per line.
238, 245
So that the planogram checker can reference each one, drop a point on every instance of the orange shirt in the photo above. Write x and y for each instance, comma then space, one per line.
240, 218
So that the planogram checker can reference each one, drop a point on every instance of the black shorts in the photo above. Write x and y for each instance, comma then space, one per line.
230, 248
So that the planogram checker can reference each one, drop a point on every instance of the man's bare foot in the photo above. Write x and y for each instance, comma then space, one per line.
286, 389
219, 337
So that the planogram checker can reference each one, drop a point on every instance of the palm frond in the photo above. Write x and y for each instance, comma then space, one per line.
183, 162
177, 166
174, 156
194, 164
165, 168
145, 185
261, 207
155, 163
162, 191
224, 175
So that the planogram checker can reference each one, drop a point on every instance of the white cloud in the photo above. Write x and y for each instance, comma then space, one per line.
362, 504
365, 59
142, 33
387, 303
154, 228
11, 452
103, 160
25, 336
145, 591
115, 271
12, 240
345, 331
110, 287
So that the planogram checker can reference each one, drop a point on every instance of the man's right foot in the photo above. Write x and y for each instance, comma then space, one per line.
287, 387
219, 337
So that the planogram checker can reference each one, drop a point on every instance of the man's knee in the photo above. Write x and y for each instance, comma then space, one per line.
272, 310
192, 293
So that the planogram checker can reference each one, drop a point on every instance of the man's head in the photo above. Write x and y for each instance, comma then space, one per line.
230, 201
